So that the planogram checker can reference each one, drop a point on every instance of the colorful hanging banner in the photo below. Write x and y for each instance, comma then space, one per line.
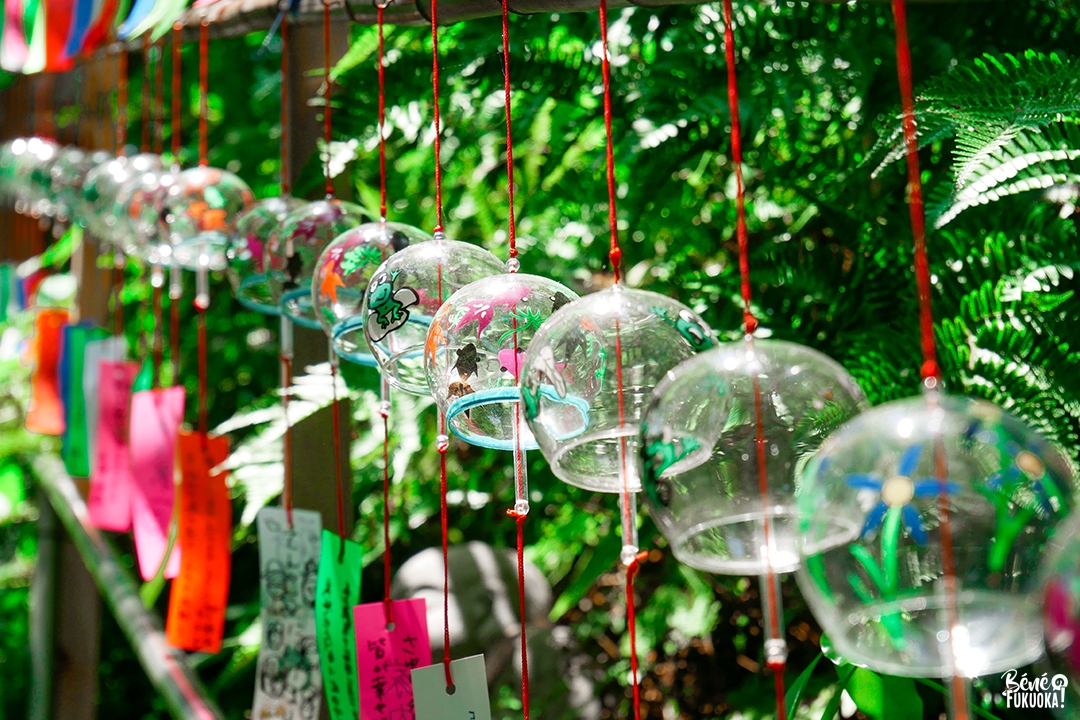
113, 349
57, 16
111, 482
46, 412
386, 658
140, 10
81, 17
288, 684
470, 699
76, 448
338, 590
200, 593
35, 23
155, 423
13, 46
100, 26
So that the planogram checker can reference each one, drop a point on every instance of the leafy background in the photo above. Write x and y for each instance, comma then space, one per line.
830, 267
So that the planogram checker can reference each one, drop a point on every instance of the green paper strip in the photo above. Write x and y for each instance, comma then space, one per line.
76, 448
12, 489
338, 590
5, 291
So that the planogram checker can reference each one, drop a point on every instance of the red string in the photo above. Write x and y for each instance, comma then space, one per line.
512, 229
443, 446
380, 8
930, 370
915, 200
286, 184
174, 338
121, 102
286, 382
385, 412
177, 46
204, 89
158, 349
147, 96
159, 96
631, 624
750, 322
520, 520
336, 413
327, 127
202, 366
736, 158
435, 99
615, 252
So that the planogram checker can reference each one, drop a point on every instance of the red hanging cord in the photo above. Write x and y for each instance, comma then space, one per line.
204, 91
931, 372
286, 357
159, 96
512, 226
384, 407
201, 309
327, 122
177, 90
615, 252
444, 440
736, 158
444, 445
435, 113
384, 410
146, 96
286, 185
338, 475
615, 258
772, 604
380, 8
519, 455
121, 101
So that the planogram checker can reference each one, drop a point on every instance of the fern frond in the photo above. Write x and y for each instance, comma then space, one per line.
1030, 160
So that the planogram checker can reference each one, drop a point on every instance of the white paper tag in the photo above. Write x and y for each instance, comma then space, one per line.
470, 700
288, 683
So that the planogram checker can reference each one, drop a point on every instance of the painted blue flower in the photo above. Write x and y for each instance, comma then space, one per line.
1024, 463
898, 491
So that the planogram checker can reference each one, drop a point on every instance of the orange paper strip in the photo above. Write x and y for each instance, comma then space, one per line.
46, 413
196, 619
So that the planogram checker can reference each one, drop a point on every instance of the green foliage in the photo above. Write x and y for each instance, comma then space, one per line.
830, 268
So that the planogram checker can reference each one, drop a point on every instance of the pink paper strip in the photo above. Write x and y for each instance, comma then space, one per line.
155, 423
111, 483
385, 658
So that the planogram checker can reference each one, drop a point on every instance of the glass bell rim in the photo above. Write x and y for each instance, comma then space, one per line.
260, 281
341, 335
292, 309
933, 599
605, 484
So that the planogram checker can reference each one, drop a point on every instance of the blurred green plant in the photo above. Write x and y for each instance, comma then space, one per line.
830, 268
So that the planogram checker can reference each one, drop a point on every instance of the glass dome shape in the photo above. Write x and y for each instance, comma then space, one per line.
100, 189
295, 249
68, 174
603, 353
342, 274
139, 230
254, 281
403, 296
474, 352
699, 449
900, 491
200, 213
